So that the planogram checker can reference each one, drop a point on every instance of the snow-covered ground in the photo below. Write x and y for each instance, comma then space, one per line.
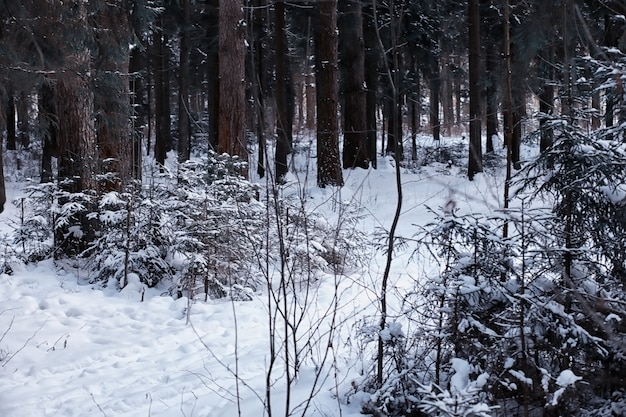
73, 349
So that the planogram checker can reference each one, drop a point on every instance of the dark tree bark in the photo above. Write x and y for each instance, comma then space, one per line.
393, 108
491, 31
258, 30
491, 22
48, 123
77, 156
458, 114
446, 90
415, 107
309, 92
77, 147
352, 58
491, 97
519, 104
11, 121
326, 72
514, 117
184, 131
475, 144
435, 124
394, 69
138, 69
3, 195
112, 101
371, 80
162, 93
430, 70
283, 93
214, 97
232, 88
23, 119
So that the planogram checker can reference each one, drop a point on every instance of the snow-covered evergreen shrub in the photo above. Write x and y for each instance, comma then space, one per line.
131, 239
74, 228
454, 316
579, 260
34, 234
497, 305
197, 226
464, 398
219, 223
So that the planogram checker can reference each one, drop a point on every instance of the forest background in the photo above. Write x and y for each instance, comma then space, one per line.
169, 137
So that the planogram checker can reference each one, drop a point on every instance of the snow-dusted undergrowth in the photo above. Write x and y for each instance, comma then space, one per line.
68, 348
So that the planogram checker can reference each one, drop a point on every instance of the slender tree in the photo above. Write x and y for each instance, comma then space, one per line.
283, 93
184, 133
258, 31
11, 119
491, 34
139, 82
160, 59
48, 122
23, 119
475, 146
212, 71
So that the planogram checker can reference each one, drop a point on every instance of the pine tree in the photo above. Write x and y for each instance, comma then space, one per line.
161, 65
475, 140
232, 94
352, 65
283, 93
326, 76
184, 134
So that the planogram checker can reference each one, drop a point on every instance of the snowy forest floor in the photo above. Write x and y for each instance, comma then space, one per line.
70, 348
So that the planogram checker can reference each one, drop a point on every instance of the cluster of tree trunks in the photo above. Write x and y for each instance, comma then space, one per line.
226, 69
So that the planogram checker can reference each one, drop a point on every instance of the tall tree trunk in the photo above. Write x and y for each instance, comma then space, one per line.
371, 80
393, 107
11, 121
326, 56
309, 91
162, 94
184, 131
23, 119
112, 101
458, 113
517, 102
519, 110
283, 93
492, 68
475, 143
213, 92
446, 90
3, 195
431, 73
232, 88
77, 154
48, 123
395, 95
258, 30
77, 149
415, 107
352, 55
138, 73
